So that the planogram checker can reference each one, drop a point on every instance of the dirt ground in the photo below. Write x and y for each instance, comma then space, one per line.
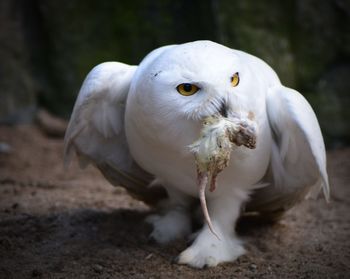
57, 223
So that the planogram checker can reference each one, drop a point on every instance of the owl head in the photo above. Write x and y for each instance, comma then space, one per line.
195, 80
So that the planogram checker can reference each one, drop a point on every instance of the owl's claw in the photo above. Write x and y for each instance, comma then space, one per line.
174, 224
208, 251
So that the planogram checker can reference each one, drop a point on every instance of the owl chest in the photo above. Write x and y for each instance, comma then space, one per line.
162, 151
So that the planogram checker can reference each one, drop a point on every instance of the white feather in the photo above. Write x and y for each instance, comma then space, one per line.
302, 150
96, 128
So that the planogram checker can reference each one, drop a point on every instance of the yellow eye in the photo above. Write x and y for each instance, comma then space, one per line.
235, 80
187, 89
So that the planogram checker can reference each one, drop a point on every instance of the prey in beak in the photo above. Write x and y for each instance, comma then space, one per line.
213, 149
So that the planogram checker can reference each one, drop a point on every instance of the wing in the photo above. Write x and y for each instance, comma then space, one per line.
298, 159
96, 129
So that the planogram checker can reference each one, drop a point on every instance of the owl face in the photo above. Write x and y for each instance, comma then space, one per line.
193, 81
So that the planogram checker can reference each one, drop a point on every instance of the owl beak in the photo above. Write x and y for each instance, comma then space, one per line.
226, 111
223, 109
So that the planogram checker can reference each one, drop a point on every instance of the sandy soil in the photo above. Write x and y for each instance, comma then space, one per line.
57, 223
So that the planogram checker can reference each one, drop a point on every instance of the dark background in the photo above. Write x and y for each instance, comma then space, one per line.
48, 46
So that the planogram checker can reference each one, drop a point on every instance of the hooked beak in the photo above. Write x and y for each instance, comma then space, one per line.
224, 109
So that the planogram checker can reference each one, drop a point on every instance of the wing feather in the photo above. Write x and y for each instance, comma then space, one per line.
298, 159
96, 129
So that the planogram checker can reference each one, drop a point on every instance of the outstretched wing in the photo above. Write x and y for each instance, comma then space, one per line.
298, 160
96, 129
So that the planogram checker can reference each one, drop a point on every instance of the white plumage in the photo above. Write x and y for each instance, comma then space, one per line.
135, 126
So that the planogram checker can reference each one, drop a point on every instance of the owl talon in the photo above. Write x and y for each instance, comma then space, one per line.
208, 251
174, 224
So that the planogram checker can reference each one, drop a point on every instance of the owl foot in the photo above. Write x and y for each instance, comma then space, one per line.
209, 251
173, 225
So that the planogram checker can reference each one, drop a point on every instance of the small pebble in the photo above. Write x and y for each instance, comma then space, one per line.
5, 148
253, 267
149, 256
97, 268
36, 273
15, 205
319, 248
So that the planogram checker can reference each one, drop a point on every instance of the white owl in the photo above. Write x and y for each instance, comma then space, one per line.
135, 124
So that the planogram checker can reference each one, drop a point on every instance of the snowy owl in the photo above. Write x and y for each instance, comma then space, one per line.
136, 125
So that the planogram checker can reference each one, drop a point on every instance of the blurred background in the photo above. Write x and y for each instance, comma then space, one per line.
47, 47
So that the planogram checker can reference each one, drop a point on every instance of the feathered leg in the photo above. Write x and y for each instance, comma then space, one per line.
209, 250
174, 220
